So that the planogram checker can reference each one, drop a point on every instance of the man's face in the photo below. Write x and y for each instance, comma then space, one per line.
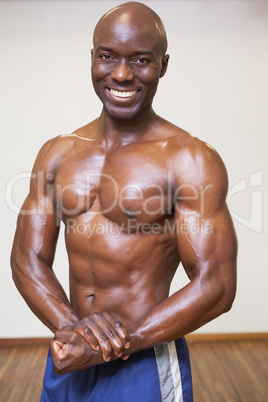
127, 62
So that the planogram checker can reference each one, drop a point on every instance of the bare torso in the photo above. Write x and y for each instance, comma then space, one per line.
117, 207
133, 209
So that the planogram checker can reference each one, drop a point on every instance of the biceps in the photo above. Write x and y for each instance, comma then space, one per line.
37, 231
207, 245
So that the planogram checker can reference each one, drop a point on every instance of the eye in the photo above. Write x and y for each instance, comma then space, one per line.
142, 60
105, 57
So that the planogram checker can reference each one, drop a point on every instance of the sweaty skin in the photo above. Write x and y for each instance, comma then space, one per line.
137, 196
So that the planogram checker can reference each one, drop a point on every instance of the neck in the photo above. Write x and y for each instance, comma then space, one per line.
125, 131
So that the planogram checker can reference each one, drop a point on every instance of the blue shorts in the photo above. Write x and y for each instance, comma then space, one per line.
159, 374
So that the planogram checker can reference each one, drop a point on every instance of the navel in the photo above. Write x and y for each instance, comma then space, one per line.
130, 214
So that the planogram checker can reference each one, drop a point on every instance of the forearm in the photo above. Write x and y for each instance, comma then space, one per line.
180, 314
43, 293
210, 263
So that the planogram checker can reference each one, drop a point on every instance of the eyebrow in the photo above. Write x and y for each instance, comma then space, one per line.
106, 49
137, 52
145, 52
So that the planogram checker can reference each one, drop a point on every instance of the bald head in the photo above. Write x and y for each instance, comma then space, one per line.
138, 15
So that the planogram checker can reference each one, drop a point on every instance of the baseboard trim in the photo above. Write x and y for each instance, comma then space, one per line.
24, 342
228, 337
191, 338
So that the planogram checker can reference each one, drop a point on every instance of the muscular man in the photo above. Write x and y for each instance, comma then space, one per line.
138, 196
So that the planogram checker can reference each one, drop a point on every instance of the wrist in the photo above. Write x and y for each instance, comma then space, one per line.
137, 341
69, 322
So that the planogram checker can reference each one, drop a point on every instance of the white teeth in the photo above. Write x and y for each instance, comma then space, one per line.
124, 94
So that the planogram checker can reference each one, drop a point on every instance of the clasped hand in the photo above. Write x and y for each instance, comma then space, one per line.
94, 339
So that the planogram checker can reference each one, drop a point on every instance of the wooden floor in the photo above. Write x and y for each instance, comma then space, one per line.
21, 373
222, 372
230, 371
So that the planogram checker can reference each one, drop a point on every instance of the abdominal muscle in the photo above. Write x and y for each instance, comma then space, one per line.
126, 275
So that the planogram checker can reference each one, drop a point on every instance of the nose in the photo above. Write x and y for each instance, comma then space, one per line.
122, 72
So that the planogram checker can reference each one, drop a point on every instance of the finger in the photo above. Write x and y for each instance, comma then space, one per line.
59, 356
110, 332
125, 357
102, 339
120, 329
88, 335
67, 339
58, 348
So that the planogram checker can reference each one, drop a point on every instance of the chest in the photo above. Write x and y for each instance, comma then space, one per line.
123, 185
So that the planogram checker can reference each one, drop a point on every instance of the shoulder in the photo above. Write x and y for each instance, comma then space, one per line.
53, 151
59, 143
56, 149
196, 166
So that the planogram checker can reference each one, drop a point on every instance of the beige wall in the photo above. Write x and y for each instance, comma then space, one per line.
216, 88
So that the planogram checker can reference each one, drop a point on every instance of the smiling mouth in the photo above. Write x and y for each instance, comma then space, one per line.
122, 94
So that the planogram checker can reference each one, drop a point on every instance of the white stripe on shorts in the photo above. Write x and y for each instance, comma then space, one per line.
169, 373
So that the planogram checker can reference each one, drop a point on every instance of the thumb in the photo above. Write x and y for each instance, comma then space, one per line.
58, 347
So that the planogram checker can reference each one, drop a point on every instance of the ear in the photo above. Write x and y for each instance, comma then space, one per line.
164, 65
